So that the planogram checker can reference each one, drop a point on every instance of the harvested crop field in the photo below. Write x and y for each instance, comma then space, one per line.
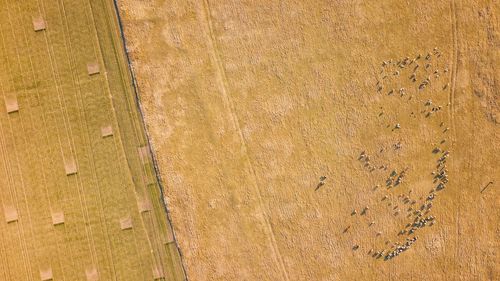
79, 198
324, 140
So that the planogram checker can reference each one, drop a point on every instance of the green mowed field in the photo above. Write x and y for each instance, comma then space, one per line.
78, 192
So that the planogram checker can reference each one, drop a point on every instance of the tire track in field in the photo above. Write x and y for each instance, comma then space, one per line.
212, 42
451, 101
451, 98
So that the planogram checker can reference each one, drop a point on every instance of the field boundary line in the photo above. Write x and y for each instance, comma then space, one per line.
148, 140
149, 226
118, 143
156, 253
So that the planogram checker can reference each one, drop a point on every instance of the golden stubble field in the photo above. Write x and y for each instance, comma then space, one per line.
324, 140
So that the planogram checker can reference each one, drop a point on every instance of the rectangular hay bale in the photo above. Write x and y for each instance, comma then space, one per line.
46, 274
93, 68
106, 131
92, 274
39, 24
148, 179
10, 213
57, 218
11, 103
144, 205
126, 223
70, 166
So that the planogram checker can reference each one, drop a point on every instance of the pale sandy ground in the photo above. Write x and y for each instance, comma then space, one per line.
248, 103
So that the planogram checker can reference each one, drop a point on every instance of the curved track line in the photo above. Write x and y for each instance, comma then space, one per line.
212, 42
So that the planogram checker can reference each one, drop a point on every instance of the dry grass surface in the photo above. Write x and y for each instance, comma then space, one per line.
251, 104
77, 188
